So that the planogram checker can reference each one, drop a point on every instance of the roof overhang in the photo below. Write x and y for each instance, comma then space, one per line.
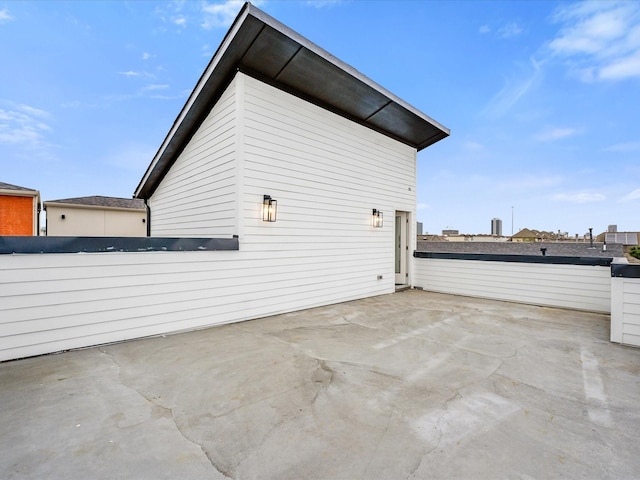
259, 45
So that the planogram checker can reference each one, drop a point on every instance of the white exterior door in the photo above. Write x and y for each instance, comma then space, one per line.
401, 247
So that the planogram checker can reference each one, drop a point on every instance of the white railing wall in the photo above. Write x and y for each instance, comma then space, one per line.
53, 302
625, 309
582, 287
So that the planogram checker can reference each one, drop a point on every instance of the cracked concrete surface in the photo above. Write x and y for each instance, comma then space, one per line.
406, 386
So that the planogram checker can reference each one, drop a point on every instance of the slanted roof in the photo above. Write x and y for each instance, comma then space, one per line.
526, 233
100, 201
16, 188
259, 45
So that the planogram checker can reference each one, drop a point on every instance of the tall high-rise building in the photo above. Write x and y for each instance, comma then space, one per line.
496, 227
419, 228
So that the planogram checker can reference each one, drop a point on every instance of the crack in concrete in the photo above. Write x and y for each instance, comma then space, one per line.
322, 380
171, 415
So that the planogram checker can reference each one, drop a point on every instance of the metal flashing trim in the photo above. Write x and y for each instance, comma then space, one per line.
625, 270
546, 259
30, 245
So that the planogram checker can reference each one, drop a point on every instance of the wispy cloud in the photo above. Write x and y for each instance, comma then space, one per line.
130, 73
27, 128
146, 56
5, 16
514, 89
473, 146
634, 195
601, 40
509, 30
323, 3
624, 147
581, 197
220, 14
153, 87
529, 182
557, 133
23, 124
484, 29
133, 74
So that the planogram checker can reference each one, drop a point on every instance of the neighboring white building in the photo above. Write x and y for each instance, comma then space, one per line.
275, 115
96, 216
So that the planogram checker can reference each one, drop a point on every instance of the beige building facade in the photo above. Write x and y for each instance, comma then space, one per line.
96, 216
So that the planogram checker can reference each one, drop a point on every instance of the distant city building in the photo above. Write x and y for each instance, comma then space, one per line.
612, 228
450, 232
419, 228
496, 227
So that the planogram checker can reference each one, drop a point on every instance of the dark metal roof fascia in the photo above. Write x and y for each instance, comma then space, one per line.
306, 43
223, 66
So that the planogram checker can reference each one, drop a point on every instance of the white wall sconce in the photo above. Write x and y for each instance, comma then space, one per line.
269, 209
376, 218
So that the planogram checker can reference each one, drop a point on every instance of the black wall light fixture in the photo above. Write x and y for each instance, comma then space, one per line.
376, 218
269, 209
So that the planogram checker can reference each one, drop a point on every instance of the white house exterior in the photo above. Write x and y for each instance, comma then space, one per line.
272, 115
328, 144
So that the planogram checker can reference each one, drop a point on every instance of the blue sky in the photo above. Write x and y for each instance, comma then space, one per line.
542, 97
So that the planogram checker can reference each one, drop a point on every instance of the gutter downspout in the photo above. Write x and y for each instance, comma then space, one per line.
148, 217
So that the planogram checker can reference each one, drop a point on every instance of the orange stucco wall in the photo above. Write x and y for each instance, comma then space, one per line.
16, 215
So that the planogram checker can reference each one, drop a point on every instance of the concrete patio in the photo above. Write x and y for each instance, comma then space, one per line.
412, 385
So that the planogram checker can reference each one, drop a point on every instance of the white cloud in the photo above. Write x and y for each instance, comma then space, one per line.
19, 126
180, 20
323, 3
582, 197
220, 14
624, 147
635, 195
623, 68
528, 183
484, 29
133, 73
511, 29
601, 40
551, 134
152, 87
514, 90
146, 56
473, 146
5, 16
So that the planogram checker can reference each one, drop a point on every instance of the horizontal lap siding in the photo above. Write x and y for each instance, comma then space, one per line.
567, 286
76, 300
198, 196
626, 313
327, 174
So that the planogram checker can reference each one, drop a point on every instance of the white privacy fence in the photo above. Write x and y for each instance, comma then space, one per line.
583, 284
120, 289
58, 301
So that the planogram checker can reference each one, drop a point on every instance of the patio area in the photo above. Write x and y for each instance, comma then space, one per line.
412, 385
